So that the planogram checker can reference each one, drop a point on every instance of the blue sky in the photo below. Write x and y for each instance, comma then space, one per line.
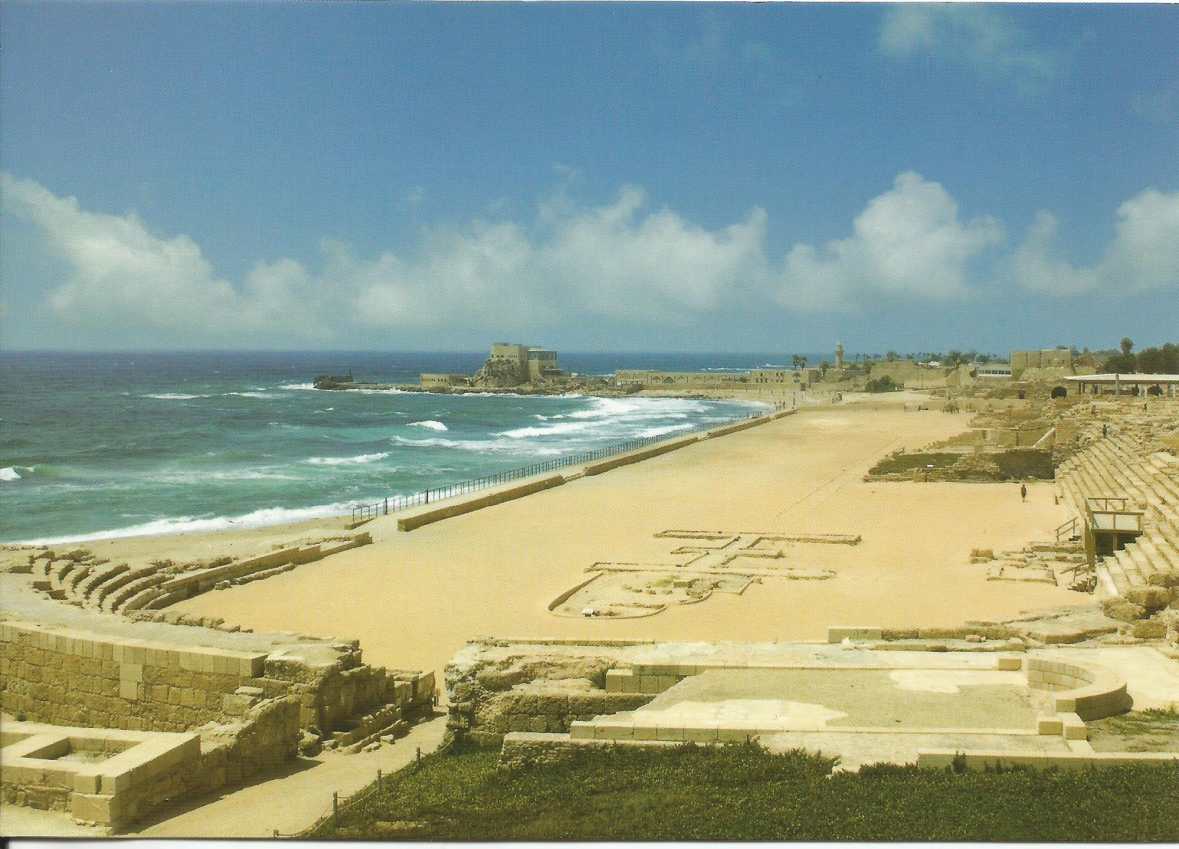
675, 177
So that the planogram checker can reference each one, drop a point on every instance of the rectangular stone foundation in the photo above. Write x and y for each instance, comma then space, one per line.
130, 772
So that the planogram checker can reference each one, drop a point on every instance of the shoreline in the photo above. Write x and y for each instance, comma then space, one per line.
315, 514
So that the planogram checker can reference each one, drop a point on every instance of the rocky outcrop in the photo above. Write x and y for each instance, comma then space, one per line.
499, 374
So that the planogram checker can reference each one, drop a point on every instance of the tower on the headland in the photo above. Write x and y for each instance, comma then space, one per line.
839, 355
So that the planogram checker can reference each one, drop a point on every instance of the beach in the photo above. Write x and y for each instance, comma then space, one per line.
414, 598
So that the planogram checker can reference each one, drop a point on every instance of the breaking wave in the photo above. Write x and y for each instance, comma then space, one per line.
358, 460
429, 424
189, 524
494, 446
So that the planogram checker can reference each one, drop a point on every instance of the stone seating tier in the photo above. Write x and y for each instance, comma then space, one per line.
1120, 465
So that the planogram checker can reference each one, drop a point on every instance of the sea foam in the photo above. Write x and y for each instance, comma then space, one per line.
358, 460
195, 524
429, 424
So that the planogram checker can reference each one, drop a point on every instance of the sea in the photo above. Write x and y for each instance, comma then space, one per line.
106, 445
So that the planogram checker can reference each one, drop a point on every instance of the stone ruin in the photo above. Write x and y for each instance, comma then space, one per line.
117, 708
991, 690
706, 562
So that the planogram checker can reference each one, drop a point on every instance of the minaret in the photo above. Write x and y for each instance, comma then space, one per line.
839, 355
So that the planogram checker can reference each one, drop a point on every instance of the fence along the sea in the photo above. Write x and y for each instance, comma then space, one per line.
394, 503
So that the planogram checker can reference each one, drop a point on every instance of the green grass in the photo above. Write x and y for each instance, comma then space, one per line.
1150, 730
744, 793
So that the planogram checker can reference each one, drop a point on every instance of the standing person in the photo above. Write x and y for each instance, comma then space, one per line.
1023, 492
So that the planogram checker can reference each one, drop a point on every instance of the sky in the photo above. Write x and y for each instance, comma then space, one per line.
695, 177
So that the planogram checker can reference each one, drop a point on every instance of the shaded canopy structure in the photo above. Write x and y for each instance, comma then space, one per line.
1125, 384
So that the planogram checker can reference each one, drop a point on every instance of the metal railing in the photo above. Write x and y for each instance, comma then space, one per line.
395, 503
1068, 531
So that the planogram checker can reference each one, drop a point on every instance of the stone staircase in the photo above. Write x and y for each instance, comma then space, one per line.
78, 577
1123, 465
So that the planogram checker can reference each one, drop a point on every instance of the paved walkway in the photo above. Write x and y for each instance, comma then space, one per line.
291, 802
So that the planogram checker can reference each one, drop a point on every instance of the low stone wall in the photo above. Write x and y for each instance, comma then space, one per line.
980, 760
523, 749
1089, 691
189, 585
637, 456
469, 505
725, 430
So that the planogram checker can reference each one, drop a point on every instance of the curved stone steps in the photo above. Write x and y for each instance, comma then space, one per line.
78, 575
141, 599
60, 571
116, 600
166, 599
118, 582
99, 576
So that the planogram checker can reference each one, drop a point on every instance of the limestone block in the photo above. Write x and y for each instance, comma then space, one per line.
1074, 727
617, 679
99, 809
129, 690
1050, 725
1150, 597
130, 672
581, 731
1010, 664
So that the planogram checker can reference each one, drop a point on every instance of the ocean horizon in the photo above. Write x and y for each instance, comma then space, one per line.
101, 445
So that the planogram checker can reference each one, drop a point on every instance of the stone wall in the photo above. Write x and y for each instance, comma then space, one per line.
81, 678
264, 737
538, 693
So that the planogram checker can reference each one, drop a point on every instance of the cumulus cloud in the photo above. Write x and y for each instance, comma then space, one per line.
622, 262
1143, 255
908, 241
982, 38
124, 275
620, 259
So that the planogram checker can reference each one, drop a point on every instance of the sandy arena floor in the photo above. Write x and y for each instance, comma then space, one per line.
414, 598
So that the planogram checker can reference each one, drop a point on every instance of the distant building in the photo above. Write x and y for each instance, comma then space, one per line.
1053, 359
992, 371
511, 364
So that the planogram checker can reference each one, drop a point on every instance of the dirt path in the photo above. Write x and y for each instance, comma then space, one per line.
292, 802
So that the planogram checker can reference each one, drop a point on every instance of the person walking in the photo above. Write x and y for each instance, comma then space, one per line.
1023, 492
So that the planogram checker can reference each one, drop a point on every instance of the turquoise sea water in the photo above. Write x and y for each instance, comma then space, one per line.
105, 445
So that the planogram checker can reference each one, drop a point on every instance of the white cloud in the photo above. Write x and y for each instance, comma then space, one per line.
1143, 255
906, 242
619, 260
619, 263
976, 36
124, 275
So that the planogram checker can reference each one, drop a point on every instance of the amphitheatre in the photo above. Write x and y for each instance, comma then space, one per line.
849, 572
